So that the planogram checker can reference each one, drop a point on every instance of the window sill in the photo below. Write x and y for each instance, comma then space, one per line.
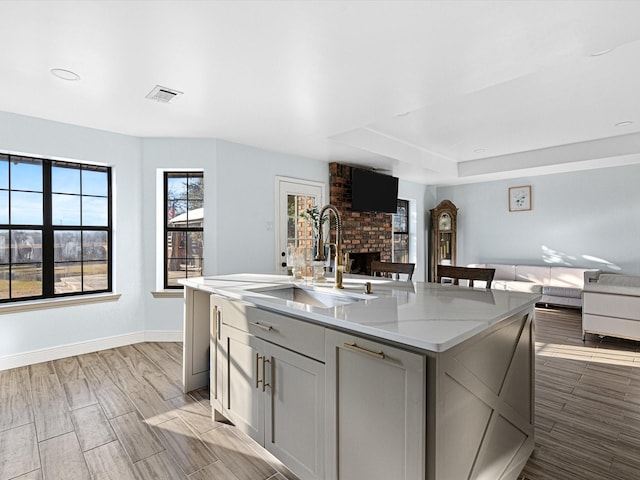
58, 302
168, 294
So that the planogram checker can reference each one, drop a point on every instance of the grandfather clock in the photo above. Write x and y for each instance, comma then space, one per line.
443, 236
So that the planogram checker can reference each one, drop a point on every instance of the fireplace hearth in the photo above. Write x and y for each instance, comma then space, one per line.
361, 262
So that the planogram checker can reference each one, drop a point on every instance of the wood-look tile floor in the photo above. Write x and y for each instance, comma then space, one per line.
587, 403
120, 414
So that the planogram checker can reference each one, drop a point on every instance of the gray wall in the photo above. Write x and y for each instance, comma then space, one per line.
586, 219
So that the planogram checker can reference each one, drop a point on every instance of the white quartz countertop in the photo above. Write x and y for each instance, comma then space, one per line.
425, 316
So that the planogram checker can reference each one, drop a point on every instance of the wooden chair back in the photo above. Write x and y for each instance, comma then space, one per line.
386, 269
465, 273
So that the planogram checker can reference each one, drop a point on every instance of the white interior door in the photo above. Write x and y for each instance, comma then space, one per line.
293, 198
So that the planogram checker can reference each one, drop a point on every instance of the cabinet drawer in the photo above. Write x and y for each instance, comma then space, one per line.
620, 306
297, 335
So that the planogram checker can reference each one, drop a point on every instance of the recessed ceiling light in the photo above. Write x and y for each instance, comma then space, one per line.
479, 150
624, 124
65, 74
601, 52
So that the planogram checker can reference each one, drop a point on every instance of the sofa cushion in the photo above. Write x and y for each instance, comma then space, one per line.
619, 280
535, 274
528, 287
503, 272
563, 301
567, 277
562, 291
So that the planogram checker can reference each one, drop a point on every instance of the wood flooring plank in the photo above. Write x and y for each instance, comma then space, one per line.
15, 409
62, 458
194, 414
68, 369
15, 398
163, 385
113, 400
35, 475
236, 455
216, 470
41, 369
110, 462
202, 396
160, 466
78, 394
189, 452
18, 451
89, 360
50, 408
92, 427
112, 359
150, 405
173, 349
163, 359
138, 363
137, 438
97, 375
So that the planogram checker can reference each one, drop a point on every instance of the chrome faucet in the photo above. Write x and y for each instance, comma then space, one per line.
338, 245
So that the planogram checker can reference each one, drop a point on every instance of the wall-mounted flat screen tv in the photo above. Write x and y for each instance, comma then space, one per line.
373, 192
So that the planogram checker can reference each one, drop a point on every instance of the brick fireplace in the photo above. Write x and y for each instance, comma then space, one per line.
366, 236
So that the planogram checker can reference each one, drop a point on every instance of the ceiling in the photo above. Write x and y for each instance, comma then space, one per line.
437, 92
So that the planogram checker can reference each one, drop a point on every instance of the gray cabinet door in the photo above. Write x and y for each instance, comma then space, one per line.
376, 403
295, 423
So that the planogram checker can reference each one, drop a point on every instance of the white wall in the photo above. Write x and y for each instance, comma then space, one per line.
423, 198
587, 219
246, 203
239, 202
23, 332
165, 314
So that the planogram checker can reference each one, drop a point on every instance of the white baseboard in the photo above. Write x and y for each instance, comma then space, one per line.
163, 336
62, 351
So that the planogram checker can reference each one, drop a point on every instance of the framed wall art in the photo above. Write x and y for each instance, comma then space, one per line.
520, 198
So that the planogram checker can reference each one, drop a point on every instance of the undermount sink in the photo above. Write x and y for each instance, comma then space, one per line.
309, 297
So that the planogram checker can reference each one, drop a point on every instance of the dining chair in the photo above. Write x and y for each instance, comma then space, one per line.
388, 269
465, 273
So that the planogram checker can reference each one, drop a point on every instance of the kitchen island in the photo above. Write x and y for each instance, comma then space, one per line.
412, 381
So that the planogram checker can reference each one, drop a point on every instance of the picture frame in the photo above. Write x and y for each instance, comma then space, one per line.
520, 198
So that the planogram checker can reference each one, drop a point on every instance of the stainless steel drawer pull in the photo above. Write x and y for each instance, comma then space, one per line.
353, 346
268, 328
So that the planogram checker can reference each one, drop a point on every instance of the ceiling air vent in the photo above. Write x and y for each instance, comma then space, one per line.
162, 94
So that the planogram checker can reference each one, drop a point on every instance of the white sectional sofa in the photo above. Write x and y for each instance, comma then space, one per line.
558, 285
612, 306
